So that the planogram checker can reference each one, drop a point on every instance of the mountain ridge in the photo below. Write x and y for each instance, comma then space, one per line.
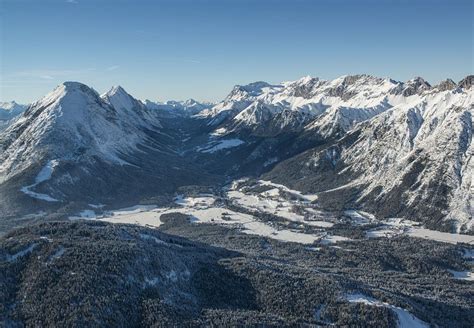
343, 139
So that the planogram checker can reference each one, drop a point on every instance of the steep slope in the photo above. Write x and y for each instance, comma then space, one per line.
413, 161
269, 123
73, 145
129, 107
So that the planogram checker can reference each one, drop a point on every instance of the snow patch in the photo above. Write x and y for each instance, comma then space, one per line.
405, 318
96, 206
307, 197
332, 239
397, 226
59, 252
26, 251
221, 145
44, 175
270, 161
87, 214
462, 275
152, 238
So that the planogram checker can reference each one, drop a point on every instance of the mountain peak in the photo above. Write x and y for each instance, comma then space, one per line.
252, 89
10, 109
9, 105
70, 92
117, 89
418, 80
412, 87
445, 85
120, 99
73, 85
467, 82
306, 79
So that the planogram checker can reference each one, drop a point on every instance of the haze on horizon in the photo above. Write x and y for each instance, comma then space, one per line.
164, 50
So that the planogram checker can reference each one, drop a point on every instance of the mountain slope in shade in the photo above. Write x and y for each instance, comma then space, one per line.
73, 145
413, 161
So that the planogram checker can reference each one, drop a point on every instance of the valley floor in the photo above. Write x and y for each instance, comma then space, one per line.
271, 210
291, 263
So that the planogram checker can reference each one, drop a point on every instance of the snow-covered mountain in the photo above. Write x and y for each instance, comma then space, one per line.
414, 160
74, 145
173, 108
329, 108
85, 124
396, 149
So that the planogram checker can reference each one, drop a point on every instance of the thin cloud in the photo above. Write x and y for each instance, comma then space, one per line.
112, 68
72, 1
50, 74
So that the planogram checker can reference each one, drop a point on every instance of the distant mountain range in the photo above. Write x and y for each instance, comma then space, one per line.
8, 112
396, 149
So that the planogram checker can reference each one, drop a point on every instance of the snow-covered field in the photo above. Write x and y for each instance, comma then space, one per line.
203, 209
273, 206
294, 212
213, 147
306, 197
396, 226
463, 275
405, 318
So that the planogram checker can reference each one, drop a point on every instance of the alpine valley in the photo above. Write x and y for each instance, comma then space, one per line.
344, 203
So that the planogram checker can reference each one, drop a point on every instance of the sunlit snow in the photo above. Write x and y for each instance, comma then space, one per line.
45, 174
405, 318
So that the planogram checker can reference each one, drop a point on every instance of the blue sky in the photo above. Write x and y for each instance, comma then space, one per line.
180, 49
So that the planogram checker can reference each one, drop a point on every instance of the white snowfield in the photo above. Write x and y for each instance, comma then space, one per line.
405, 318
260, 102
202, 210
398, 226
213, 146
44, 175
205, 209
210, 209
462, 275
270, 202
306, 197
